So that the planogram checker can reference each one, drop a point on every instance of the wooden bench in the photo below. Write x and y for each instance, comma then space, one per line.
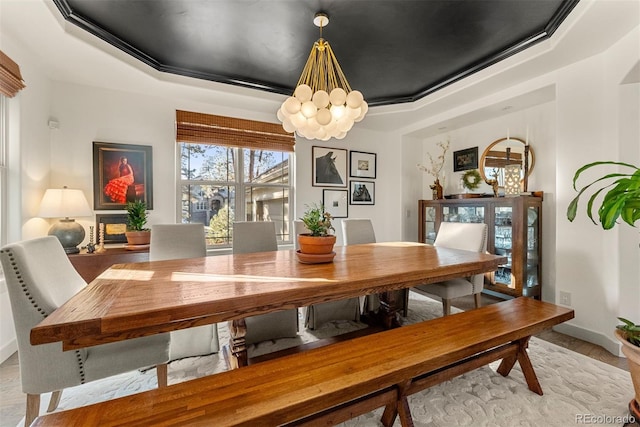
331, 384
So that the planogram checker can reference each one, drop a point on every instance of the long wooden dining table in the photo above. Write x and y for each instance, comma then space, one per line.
139, 299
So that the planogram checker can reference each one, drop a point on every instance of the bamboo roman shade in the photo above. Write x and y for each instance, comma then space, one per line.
10, 78
232, 132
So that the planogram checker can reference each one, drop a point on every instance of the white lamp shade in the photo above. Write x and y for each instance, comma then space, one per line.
64, 203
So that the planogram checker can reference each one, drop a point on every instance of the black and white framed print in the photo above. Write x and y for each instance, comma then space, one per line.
362, 165
336, 202
329, 167
362, 193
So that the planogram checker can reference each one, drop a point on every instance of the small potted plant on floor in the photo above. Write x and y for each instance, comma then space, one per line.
319, 242
137, 216
622, 200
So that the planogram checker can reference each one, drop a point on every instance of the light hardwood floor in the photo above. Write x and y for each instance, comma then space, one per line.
12, 400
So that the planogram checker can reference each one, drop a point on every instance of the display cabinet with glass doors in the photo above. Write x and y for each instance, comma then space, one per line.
514, 231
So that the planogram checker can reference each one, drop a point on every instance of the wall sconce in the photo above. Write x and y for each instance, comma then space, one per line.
65, 203
512, 180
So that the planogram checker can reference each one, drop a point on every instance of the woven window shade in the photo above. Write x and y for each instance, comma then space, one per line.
219, 130
10, 78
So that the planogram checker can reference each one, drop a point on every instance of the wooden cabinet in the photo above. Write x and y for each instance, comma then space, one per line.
91, 265
515, 231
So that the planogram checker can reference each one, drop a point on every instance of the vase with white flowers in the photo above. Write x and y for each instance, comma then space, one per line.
434, 169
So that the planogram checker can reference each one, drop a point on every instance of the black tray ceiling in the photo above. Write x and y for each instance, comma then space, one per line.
393, 51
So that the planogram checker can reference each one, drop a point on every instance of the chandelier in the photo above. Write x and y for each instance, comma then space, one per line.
323, 106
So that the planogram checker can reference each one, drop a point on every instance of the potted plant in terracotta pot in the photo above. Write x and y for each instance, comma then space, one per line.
137, 216
318, 243
621, 200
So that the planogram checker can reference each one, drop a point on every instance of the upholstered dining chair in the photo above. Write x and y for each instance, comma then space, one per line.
465, 236
318, 314
260, 236
179, 241
40, 278
356, 231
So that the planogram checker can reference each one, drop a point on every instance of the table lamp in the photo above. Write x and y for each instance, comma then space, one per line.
65, 203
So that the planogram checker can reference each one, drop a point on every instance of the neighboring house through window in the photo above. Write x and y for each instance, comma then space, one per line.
234, 170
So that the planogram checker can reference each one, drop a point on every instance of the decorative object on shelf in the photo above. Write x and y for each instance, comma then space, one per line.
329, 167
435, 167
471, 179
65, 203
317, 245
437, 190
362, 193
494, 158
525, 178
101, 249
336, 202
115, 227
323, 105
465, 159
512, 180
493, 182
362, 165
621, 201
121, 173
137, 216
91, 247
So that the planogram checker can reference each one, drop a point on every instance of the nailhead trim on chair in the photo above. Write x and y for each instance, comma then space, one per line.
25, 289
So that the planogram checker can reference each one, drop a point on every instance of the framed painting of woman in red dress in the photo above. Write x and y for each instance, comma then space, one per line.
121, 173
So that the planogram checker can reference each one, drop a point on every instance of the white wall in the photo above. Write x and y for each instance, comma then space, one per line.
594, 116
596, 122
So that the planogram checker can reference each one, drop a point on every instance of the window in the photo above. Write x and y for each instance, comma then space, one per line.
223, 182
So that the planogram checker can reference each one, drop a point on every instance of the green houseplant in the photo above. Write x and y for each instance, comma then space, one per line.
317, 220
621, 200
319, 242
137, 217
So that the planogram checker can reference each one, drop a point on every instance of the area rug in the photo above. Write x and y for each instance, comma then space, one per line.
577, 389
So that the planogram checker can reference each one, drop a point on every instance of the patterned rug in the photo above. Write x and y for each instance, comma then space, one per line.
577, 389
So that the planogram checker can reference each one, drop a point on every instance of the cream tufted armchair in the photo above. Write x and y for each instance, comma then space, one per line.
40, 278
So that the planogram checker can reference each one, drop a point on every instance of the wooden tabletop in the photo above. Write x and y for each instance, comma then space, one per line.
132, 300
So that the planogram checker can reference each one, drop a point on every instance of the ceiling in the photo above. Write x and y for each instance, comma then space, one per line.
393, 51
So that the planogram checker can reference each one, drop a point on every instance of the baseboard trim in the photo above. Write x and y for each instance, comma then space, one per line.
607, 342
8, 349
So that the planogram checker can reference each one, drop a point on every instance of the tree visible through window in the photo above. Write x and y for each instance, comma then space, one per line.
223, 184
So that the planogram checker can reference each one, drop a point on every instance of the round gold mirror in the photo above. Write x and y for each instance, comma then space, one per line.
503, 152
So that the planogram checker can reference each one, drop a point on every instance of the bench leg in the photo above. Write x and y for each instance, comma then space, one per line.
399, 407
525, 363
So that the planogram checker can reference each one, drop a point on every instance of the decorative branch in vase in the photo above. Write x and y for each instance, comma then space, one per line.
434, 169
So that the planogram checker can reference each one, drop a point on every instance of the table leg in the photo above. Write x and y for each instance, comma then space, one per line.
236, 354
388, 314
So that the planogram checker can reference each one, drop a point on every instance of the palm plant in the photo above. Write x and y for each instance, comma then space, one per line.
621, 201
